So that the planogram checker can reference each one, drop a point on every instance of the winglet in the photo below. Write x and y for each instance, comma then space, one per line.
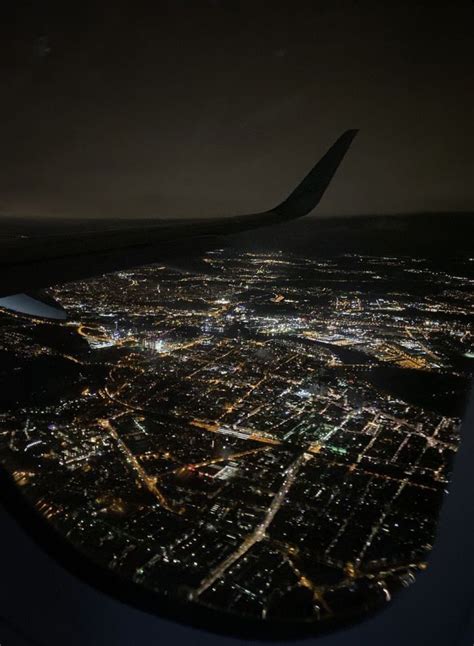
308, 194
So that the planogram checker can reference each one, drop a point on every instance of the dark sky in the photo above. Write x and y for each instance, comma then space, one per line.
220, 107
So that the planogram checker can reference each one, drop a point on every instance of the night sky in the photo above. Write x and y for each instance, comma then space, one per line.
220, 107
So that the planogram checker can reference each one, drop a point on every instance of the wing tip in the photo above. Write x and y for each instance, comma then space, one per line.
309, 192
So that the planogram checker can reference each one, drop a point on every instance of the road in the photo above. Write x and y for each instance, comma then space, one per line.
259, 532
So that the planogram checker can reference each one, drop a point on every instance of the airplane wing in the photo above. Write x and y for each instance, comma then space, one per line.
29, 264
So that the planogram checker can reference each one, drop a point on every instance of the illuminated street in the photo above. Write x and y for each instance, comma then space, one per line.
274, 436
